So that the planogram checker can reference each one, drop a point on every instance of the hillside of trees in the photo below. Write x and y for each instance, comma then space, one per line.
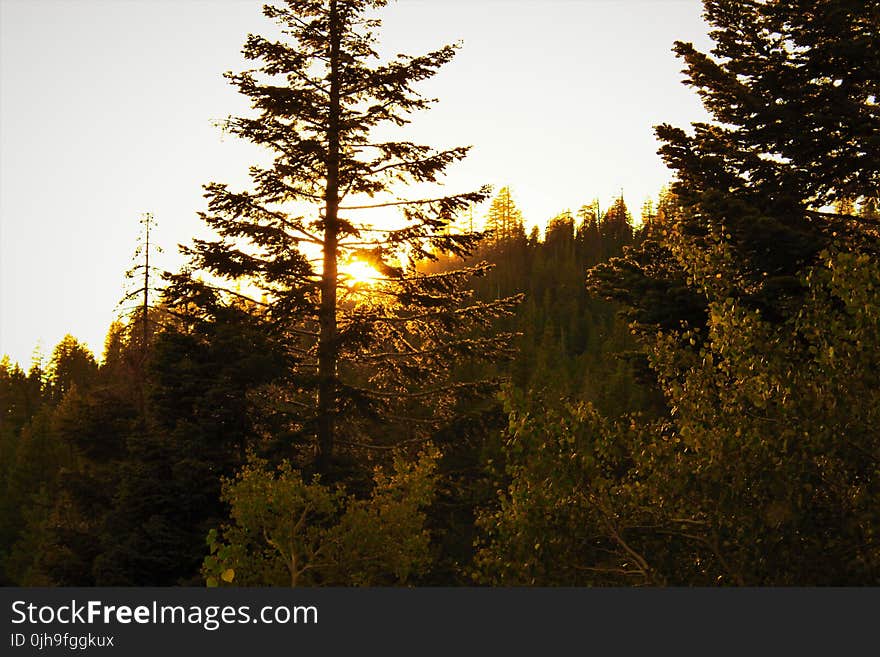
689, 398
114, 471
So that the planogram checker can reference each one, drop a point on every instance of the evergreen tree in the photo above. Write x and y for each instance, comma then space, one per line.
15, 413
16, 403
72, 365
37, 454
504, 221
570, 343
617, 224
792, 86
119, 482
143, 277
364, 351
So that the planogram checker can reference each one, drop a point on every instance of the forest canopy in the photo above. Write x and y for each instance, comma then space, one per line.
472, 396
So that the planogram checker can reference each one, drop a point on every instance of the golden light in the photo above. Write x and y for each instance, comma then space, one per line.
358, 272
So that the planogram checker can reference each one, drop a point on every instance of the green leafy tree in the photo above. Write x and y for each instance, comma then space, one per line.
286, 531
365, 352
571, 512
775, 429
764, 473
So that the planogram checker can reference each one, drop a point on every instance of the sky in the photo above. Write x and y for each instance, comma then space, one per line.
108, 109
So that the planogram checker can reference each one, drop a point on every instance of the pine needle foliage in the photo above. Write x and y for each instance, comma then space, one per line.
368, 352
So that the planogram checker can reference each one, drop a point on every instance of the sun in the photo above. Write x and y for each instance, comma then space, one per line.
359, 273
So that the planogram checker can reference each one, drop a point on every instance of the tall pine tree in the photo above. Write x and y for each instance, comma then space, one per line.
792, 86
367, 353
142, 288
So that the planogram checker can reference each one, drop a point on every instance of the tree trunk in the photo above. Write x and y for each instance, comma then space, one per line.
327, 348
146, 309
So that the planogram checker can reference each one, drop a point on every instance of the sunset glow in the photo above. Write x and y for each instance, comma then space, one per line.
155, 119
359, 273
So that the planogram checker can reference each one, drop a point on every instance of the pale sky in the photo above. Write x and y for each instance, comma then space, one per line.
107, 111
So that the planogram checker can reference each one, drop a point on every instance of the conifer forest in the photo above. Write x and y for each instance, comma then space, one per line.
684, 392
